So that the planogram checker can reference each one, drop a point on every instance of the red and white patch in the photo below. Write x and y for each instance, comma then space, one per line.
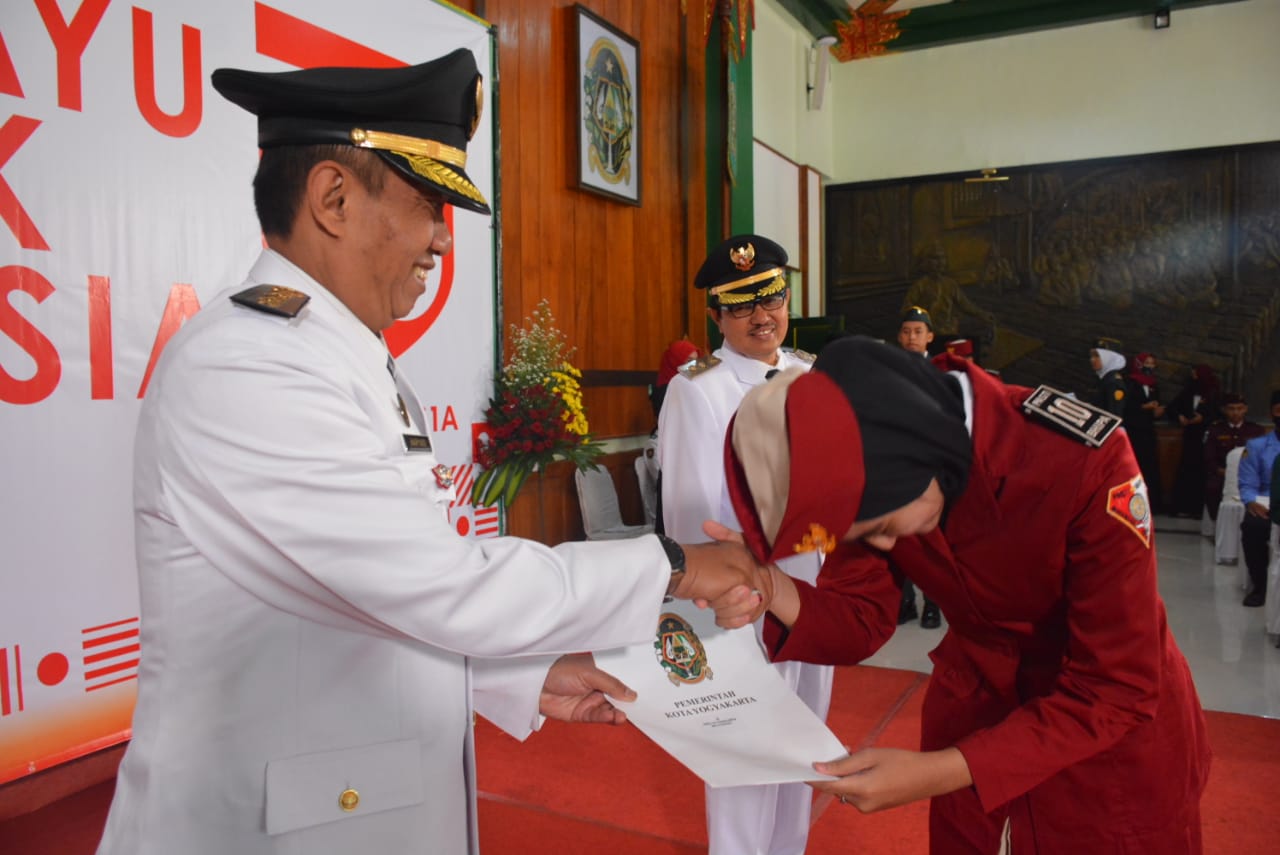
1128, 503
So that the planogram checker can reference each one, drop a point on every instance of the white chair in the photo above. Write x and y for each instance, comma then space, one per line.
601, 516
1226, 537
647, 476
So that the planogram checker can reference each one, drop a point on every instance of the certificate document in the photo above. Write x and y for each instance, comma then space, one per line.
710, 698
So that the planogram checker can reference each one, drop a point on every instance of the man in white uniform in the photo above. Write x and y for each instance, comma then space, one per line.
745, 278
313, 631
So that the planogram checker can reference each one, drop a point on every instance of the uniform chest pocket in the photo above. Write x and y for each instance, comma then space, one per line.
313, 789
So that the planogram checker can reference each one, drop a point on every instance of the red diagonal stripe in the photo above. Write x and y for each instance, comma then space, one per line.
462, 494
111, 683
107, 639
111, 669
293, 40
111, 654
89, 629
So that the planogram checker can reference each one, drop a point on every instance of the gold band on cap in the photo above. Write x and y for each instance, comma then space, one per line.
402, 144
779, 284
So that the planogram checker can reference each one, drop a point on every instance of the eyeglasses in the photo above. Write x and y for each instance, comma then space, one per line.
745, 310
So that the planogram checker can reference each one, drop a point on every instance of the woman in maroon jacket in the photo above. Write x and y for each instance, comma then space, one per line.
1060, 716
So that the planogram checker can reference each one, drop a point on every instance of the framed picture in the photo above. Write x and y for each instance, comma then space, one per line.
608, 115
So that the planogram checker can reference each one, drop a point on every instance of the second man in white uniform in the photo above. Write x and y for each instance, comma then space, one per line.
745, 278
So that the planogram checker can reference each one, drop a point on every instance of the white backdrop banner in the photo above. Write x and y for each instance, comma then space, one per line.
126, 201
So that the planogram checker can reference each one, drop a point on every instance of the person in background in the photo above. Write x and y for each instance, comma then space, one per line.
1142, 410
1255, 491
745, 281
915, 331
315, 634
915, 334
1108, 364
678, 354
1192, 410
1061, 716
1231, 431
961, 347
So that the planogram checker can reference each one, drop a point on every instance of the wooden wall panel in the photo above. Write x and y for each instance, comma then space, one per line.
616, 275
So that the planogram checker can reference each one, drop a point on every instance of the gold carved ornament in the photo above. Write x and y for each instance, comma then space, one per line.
868, 30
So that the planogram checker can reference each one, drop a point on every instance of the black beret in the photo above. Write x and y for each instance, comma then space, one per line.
417, 118
743, 268
917, 313
1232, 398
1112, 344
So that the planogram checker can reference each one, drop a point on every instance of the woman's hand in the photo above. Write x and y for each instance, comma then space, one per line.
878, 778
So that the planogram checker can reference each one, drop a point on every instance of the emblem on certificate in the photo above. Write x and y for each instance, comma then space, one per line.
680, 651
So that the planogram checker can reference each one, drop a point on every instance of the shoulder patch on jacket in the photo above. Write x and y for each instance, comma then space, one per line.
700, 365
803, 355
1119, 394
1076, 419
1128, 503
272, 299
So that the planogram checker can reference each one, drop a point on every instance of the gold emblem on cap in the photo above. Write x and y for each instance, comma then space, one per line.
743, 257
349, 800
475, 120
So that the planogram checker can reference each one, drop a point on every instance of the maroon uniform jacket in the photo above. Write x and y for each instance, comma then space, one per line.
1057, 678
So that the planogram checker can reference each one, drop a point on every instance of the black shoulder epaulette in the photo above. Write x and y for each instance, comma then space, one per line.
803, 355
272, 299
698, 366
1078, 420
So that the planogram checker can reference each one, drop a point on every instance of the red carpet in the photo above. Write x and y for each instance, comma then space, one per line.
593, 790
584, 789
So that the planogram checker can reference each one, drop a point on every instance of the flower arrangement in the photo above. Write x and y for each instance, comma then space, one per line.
536, 414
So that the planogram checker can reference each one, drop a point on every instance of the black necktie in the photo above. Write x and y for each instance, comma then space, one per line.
768, 375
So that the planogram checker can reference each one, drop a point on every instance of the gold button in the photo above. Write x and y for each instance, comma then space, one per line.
349, 800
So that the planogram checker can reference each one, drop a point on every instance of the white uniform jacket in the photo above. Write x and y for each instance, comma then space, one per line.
691, 434
308, 613
691, 431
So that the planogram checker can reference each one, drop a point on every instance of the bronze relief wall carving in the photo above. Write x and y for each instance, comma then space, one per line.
1176, 253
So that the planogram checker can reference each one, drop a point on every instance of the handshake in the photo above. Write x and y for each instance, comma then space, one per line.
722, 575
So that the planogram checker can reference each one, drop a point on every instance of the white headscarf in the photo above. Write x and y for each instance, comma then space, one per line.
1111, 361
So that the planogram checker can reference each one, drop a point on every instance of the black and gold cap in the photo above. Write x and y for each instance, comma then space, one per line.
917, 313
417, 118
742, 269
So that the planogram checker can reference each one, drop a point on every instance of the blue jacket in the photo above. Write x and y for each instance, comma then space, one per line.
1255, 467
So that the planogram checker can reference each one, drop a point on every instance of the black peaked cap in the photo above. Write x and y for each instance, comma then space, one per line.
417, 118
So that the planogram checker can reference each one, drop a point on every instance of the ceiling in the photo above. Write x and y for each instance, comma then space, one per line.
877, 27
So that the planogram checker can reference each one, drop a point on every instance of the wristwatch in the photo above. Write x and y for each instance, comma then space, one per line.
675, 555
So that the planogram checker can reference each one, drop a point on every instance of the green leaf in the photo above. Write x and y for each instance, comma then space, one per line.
513, 486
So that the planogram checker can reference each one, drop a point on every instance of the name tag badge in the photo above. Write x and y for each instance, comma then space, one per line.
416, 443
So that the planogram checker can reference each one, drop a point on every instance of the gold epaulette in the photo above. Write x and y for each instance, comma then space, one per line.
272, 299
698, 366
803, 355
